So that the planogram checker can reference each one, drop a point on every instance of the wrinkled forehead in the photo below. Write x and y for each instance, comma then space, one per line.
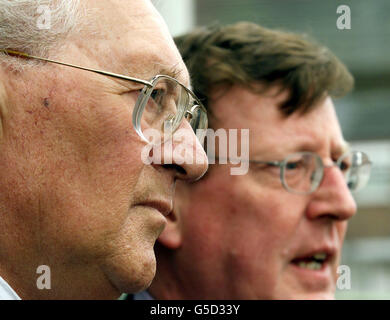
131, 37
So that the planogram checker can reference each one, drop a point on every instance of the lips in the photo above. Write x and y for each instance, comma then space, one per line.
315, 259
164, 207
312, 262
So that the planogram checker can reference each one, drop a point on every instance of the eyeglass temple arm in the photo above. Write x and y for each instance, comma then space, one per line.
110, 74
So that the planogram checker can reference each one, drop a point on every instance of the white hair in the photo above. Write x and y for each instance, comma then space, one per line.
23, 25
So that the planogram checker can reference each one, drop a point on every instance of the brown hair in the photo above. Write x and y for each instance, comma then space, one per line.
248, 54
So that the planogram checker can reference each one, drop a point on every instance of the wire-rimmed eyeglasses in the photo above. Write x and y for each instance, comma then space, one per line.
302, 172
162, 104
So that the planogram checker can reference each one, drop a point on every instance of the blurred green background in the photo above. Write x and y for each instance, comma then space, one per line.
364, 114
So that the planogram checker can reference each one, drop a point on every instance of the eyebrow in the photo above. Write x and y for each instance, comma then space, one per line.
175, 71
172, 72
341, 147
336, 151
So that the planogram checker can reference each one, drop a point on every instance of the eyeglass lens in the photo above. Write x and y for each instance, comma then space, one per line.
165, 106
303, 172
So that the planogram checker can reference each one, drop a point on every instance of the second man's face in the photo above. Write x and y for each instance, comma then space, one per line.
243, 237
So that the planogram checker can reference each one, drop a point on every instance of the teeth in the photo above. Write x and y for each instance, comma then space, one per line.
320, 256
313, 265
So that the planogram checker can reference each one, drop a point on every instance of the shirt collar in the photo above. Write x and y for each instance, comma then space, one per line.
143, 295
6, 292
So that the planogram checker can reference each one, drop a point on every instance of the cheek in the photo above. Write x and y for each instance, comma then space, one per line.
244, 211
94, 136
91, 176
265, 217
244, 218
86, 213
244, 230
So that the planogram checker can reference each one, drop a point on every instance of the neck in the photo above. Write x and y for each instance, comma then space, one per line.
54, 282
36, 269
33, 273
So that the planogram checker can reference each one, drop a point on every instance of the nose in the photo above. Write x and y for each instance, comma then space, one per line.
182, 155
332, 198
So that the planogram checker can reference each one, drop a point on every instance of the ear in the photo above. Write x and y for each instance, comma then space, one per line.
171, 237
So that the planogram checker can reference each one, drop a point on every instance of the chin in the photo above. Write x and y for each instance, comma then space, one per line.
131, 276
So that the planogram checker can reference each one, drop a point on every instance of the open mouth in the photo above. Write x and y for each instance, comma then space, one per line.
313, 262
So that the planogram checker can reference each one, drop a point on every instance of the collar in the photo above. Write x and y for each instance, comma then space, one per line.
143, 295
6, 292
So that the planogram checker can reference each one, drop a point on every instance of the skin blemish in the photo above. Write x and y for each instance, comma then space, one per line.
46, 102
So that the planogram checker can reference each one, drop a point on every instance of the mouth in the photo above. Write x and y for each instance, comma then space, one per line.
313, 270
316, 261
164, 207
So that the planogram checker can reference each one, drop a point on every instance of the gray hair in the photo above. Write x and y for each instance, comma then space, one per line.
23, 26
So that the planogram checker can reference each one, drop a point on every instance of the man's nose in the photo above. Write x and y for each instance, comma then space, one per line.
332, 198
184, 155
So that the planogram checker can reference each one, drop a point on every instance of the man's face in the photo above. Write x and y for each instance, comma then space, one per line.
243, 236
81, 197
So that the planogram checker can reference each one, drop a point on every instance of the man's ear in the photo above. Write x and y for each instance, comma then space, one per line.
171, 237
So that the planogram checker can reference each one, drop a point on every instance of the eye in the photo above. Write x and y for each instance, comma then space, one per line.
345, 165
157, 94
293, 165
345, 162
260, 168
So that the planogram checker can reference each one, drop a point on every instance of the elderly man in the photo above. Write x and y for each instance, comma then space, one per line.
78, 205
277, 231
